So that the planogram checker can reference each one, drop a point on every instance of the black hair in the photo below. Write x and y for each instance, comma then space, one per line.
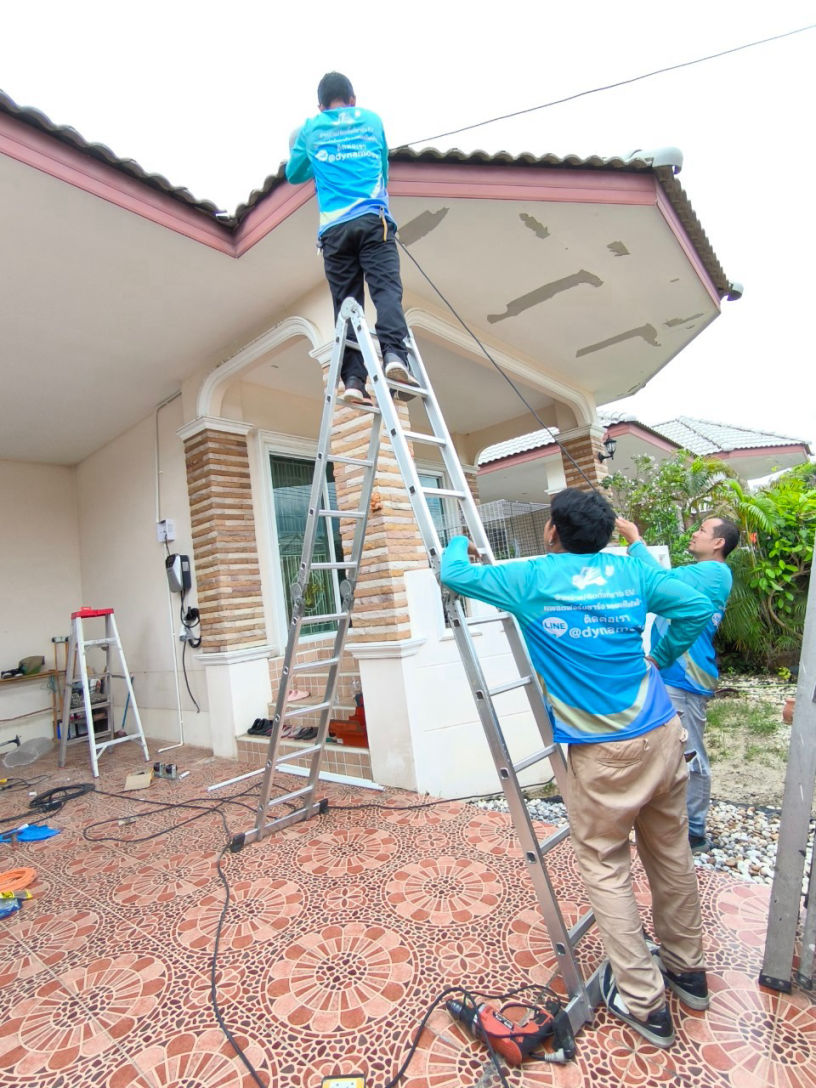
584, 520
334, 86
730, 534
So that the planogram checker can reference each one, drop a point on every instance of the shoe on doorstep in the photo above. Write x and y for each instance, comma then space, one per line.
657, 1028
699, 844
256, 726
691, 987
355, 392
397, 371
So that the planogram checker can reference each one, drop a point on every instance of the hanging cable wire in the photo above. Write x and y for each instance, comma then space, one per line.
612, 86
564, 451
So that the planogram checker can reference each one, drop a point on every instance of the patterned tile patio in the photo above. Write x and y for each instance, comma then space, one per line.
340, 932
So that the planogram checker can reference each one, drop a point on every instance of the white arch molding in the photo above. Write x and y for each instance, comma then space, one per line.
210, 395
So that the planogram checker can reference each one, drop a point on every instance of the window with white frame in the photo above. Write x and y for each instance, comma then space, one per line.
291, 486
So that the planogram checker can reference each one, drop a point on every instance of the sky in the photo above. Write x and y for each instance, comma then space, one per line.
207, 95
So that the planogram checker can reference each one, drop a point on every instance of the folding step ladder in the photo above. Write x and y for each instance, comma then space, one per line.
583, 996
76, 670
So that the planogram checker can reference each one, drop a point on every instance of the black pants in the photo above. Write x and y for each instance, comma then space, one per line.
355, 250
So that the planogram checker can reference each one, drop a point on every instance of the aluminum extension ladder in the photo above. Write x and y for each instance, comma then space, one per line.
76, 671
582, 995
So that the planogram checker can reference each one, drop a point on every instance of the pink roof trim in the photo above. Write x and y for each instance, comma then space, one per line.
40, 151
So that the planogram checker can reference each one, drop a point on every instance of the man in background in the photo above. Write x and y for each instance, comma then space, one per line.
692, 679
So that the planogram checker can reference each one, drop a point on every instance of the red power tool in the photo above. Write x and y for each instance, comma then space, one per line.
516, 1041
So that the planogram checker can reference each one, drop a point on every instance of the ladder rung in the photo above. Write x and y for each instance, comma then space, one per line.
358, 462
98, 642
296, 753
341, 514
315, 666
284, 797
536, 757
326, 617
422, 436
519, 682
474, 621
415, 390
346, 565
443, 492
298, 712
553, 840
577, 931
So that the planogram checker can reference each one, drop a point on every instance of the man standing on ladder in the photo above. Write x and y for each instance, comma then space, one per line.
344, 149
692, 679
582, 614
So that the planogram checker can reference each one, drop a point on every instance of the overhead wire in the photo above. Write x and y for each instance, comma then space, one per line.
546, 105
613, 86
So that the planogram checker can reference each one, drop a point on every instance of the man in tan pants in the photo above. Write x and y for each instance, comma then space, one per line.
582, 613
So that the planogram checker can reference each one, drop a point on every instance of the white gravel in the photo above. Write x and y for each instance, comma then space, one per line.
744, 837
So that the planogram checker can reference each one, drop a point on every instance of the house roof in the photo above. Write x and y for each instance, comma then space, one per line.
703, 437
67, 135
639, 161
541, 439
583, 276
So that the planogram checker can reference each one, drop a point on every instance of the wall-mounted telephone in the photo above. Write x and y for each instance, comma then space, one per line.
178, 573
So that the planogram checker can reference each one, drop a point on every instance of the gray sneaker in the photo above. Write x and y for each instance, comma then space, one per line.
397, 371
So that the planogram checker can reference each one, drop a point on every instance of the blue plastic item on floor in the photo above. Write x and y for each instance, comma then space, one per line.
31, 834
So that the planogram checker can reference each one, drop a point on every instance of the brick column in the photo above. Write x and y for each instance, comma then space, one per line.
392, 545
228, 579
583, 444
472, 477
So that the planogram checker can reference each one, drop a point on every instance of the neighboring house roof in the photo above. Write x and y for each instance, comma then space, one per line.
631, 164
704, 437
541, 439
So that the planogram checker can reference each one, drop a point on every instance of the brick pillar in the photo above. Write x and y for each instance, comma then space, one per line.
228, 579
583, 444
472, 477
392, 545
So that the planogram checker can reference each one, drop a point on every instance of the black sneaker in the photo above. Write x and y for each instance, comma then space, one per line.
691, 987
355, 392
657, 1028
256, 727
699, 844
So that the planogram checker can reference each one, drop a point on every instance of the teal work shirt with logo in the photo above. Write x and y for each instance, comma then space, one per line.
582, 617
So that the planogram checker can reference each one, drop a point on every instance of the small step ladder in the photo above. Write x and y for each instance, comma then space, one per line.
582, 996
76, 670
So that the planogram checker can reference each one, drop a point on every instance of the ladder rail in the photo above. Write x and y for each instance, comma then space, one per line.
583, 994
76, 670
368, 468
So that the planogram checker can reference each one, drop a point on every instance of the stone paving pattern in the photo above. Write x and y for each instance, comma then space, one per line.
340, 932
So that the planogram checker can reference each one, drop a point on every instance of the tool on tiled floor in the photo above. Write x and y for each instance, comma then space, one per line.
794, 833
582, 996
76, 672
518, 1040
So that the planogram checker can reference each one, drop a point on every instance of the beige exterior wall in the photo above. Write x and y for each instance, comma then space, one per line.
121, 495
41, 583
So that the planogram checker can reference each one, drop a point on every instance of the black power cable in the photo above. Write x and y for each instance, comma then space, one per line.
612, 86
564, 451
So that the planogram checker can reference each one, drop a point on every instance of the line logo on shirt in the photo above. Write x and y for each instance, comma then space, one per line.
554, 626
590, 576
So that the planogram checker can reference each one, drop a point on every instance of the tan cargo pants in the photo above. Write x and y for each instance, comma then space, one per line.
611, 788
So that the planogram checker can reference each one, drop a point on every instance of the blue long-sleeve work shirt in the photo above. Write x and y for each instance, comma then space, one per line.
696, 669
346, 153
582, 617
